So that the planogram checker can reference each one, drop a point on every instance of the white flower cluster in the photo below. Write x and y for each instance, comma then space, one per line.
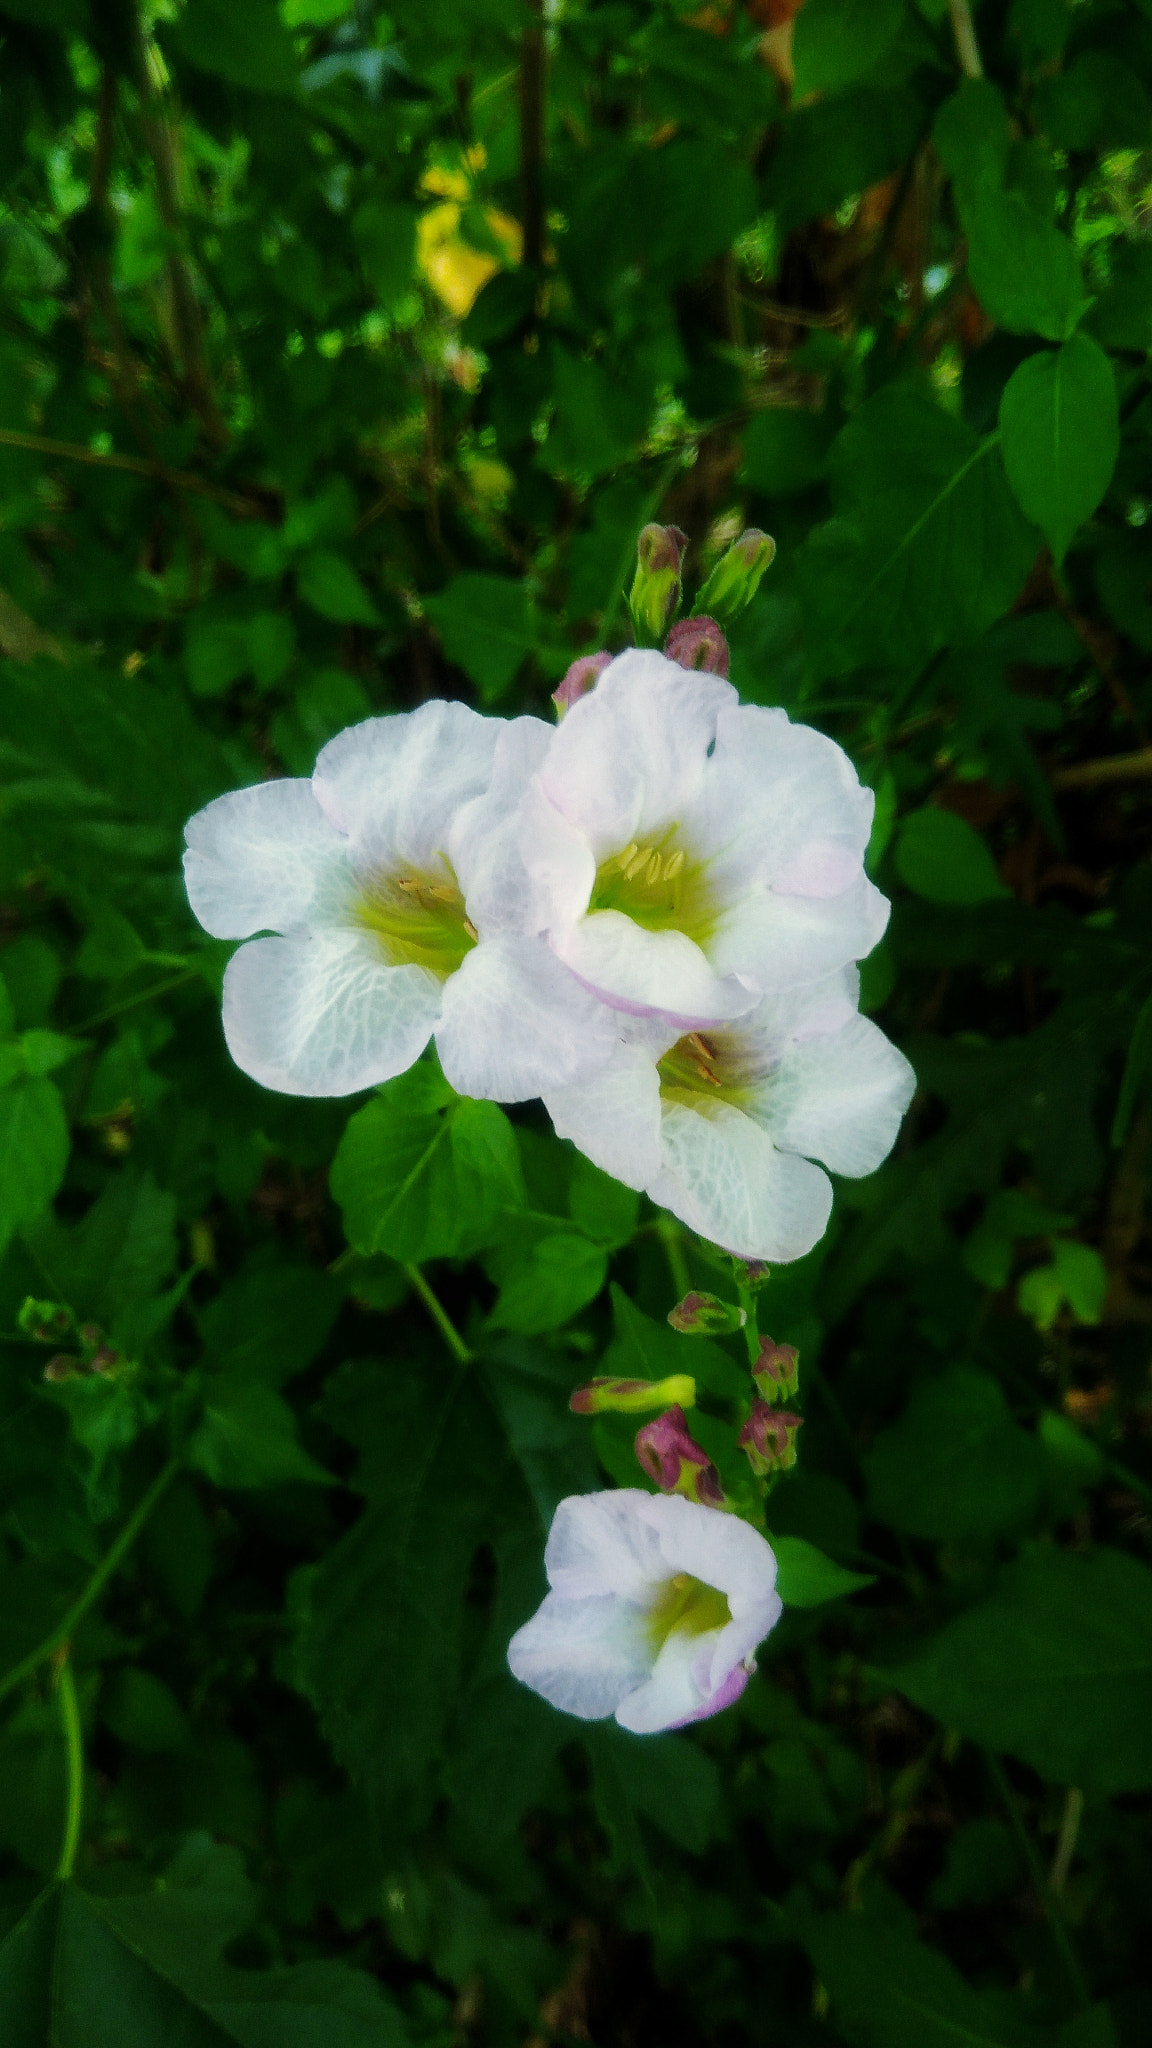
646, 915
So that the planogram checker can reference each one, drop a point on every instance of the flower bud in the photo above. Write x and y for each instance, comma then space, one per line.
736, 577
46, 1321
671, 1457
698, 643
752, 1274
777, 1370
633, 1397
582, 676
769, 1438
61, 1367
654, 598
705, 1315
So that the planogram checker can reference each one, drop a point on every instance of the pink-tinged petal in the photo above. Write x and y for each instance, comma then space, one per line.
607, 1543
321, 1014
263, 859
722, 1175
725, 1695
515, 1023
395, 784
583, 1655
773, 790
782, 942
824, 867
652, 974
629, 758
840, 1098
615, 1118
485, 842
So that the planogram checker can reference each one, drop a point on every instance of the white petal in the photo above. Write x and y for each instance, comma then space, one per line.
629, 757
516, 1023
645, 973
484, 845
583, 1655
262, 859
723, 1177
395, 784
606, 1543
781, 942
615, 1118
719, 1549
840, 1097
782, 803
322, 1014
558, 859
676, 1689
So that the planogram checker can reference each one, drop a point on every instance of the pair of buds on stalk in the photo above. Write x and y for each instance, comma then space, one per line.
48, 1322
665, 1447
655, 598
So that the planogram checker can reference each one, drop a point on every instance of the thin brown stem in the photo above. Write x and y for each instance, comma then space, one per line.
136, 465
1114, 768
967, 48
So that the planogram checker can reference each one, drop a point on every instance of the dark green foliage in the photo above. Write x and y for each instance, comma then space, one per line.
290, 436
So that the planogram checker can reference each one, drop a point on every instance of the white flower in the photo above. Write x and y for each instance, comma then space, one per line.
721, 1126
656, 1607
383, 877
692, 854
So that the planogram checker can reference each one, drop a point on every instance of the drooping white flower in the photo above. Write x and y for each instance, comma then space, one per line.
722, 1126
693, 854
656, 1606
387, 879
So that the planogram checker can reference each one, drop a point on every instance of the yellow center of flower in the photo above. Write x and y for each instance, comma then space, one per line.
686, 1606
708, 1067
659, 886
417, 921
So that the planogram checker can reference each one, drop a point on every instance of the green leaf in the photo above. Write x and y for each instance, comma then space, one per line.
956, 1466
944, 860
248, 1438
1055, 1666
836, 42
665, 1778
806, 1578
892, 1991
551, 1282
33, 1150
247, 46
786, 451
1076, 1275
1024, 272
423, 1174
1135, 1068
1060, 432
270, 1323
385, 235
646, 1350
144, 1713
485, 623
331, 586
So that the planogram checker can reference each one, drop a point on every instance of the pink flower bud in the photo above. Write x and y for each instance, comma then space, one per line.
752, 1273
671, 1457
633, 1397
769, 1438
698, 643
60, 1368
705, 1315
581, 677
777, 1370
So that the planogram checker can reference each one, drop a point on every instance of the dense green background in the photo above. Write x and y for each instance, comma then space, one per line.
257, 480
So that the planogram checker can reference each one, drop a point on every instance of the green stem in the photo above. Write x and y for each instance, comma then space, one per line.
74, 1755
747, 1300
440, 1316
1039, 1876
159, 988
1139, 1487
109, 1563
673, 1242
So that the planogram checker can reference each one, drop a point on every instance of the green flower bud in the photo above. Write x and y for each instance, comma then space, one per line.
777, 1370
654, 598
705, 1315
769, 1439
633, 1397
736, 578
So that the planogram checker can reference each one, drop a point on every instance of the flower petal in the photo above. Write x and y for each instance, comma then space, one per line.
783, 803
516, 1023
646, 974
720, 1549
723, 1177
322, 1014
606, 1543
629, 758
677, 1689
781, 942
615, 1118
262, 859
840, 1097
485, 843
395, 784
583, 1655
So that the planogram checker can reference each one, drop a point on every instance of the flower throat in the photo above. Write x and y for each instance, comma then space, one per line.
659, 887
418, 922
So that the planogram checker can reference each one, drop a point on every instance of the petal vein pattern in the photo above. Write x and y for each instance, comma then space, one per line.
655, 1609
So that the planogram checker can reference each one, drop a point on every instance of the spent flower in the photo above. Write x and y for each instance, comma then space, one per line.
667, 1451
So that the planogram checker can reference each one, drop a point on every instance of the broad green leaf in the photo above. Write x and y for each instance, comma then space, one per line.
331, 586
956, 1466
973, 138
385, 235
1060, 432
424, 1174
646, 1350
33, 1150
786, 451
892, 1991
944, 860
485, 623
835, 42
806, 1578
270, 1322
144, 1713
666, 1778
1055, 1666
1135, 1068
1076, 1275
554, 1279
1024, 272
248, 1438
247, 46
529, 1386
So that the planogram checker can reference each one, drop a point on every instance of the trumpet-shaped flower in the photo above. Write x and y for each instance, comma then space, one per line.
383, 879
722, 1126
656, 1606
692, 854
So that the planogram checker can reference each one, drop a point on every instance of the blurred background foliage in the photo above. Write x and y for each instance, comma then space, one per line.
342, 355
